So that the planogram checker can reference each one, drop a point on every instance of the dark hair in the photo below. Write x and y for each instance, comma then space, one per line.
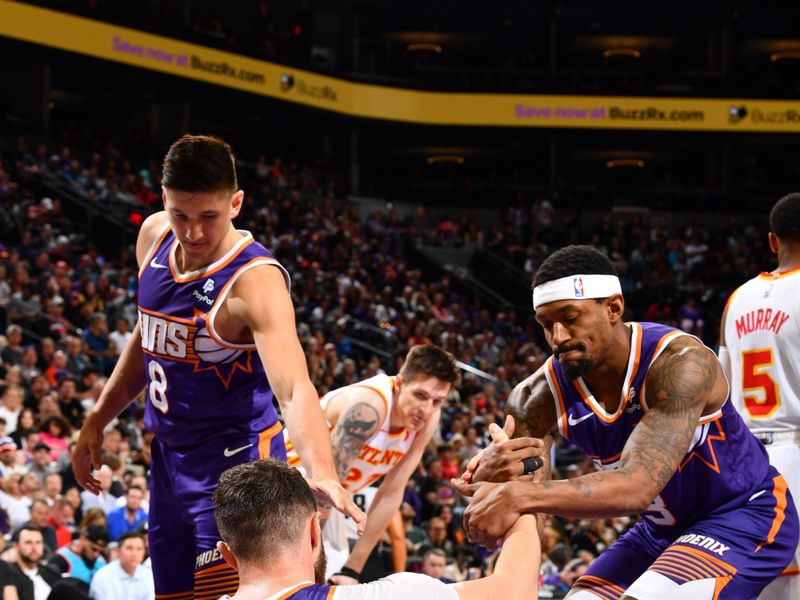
574, 260
199, 163
784, 218
24, 527
427, 359
134, 534
261, 508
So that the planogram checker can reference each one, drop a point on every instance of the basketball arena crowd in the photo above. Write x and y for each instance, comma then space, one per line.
67, 310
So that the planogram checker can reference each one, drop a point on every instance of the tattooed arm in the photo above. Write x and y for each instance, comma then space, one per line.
682, 384
361, 414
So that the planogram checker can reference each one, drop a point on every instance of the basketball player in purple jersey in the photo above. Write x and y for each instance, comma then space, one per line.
280, 555
215, 339
650, 404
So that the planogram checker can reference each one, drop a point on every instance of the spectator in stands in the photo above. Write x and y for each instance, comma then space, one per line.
32, 579
433, 564
41, 514
129, 517
36, 389
9, 462
12, 353
11, 406
55, 434
104, 500
436, 529
125, 578
28, 365
25, 424
83, 558
42, 464
97, 343
120, 336
69, 404
53, 485
63, 521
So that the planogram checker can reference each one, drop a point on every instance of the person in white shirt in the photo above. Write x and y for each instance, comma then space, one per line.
32, 580
125, 578
105, 499
11, 406
120, 336
270, 525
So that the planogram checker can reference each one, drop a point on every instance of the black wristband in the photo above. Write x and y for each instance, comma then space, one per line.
348, 572
529, 465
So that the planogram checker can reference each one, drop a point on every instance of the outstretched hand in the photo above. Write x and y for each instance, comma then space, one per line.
330, 491
86, 456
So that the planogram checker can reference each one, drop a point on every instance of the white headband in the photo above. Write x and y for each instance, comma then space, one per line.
576, 287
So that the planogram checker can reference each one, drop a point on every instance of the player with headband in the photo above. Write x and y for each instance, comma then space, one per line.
650, 404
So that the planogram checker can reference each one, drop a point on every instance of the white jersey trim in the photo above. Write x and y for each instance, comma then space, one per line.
212, 315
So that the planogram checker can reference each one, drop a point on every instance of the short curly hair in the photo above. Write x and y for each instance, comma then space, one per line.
574, 260
784, 218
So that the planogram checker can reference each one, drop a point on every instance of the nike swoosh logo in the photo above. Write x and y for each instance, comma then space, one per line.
228, 453
156, 265
573, 421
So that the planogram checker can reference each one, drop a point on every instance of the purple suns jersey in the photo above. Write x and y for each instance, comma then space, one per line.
199, 386
725, 463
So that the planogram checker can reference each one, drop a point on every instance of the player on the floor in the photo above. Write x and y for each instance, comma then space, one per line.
272, 535
215, 339
760, 352
650, 404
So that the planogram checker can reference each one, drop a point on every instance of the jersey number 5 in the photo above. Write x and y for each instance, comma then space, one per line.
157, 390
755, 378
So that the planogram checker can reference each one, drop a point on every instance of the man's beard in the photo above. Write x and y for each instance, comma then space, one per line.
320, 565
28, 561
578, 368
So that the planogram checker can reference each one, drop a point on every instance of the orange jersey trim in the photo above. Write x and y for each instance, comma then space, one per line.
779, 492
180, 278
594, 405
151, 252
265, 437
710, 438
562, 421
223, 294
779, 275
293, 590
176, 595
600, 587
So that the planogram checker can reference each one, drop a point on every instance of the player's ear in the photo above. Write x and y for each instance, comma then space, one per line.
236, 204
398, 382
615, 307
223, 549
773, 242
316, 530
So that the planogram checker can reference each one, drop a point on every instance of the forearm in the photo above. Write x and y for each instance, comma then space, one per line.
124, 385
398, 541
521, 543
310, 435
597, 495
381, 511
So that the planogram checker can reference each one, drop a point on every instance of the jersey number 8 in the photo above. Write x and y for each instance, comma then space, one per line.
157, 390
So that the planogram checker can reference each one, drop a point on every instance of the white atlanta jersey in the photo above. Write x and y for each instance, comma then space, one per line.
762, 335
380, 452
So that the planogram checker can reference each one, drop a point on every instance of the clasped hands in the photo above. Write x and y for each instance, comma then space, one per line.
494, 480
